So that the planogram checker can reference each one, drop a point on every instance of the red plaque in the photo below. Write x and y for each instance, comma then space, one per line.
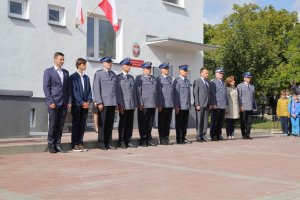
136, 63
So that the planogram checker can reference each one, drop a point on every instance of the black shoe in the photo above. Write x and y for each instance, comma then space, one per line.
143, 144
214, 139
169, 143
245, 137
204, 139
110, 147
103, 148
52, 150
151, 144
180, 142
199, 140
162, 142
123, 145
130, 145
249, 138
59, 149
220, 137
187, 141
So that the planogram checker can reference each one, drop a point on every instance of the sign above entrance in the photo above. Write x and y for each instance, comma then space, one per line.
136, 63
136, 50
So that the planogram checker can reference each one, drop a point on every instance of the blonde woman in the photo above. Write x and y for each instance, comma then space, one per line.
232, 108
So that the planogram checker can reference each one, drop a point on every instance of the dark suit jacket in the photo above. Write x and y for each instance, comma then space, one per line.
55, 92
201, 93
78, 94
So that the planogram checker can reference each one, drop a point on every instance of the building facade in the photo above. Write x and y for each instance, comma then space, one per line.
151, 30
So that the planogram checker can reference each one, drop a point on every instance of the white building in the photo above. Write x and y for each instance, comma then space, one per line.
32, 30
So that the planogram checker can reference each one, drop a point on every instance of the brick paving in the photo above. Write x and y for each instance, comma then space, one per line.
262, 169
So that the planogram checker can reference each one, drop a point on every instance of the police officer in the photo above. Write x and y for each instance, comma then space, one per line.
104, 88
165, 104
126, 99
247, 104
182, 104
218, 99
146, 88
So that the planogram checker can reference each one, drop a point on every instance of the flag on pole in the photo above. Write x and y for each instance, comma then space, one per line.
109, 8
79, 13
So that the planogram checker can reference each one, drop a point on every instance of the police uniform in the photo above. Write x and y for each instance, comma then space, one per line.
126, 99
146, 90
182, 102
218, 97
104, 88
246, 97
165, 102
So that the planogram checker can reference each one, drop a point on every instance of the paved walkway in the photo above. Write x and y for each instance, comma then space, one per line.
266, 168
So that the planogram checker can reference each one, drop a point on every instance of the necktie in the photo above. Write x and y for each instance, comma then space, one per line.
248, 86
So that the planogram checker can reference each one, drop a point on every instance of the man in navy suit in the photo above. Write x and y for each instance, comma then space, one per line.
81, 98
56, 86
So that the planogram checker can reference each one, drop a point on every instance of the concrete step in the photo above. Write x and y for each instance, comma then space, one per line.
39, 144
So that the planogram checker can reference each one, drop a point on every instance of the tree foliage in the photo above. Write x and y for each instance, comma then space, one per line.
263, 41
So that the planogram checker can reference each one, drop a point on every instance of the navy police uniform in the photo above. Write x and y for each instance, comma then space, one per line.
104, 88
126, 99
218, 98
165, 103
146, 90
246, 97
182, 103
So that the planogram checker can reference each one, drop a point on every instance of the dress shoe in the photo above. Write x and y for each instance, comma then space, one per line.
143, 143
130, 145
204, 139
151, 144
187, 141
59, 149
180, 142
169, 143
82, 147
162, 142
122, 145
103, 148
220, 137
52, 150
249, 138
245, 137
199, 140
76, 148
110, 147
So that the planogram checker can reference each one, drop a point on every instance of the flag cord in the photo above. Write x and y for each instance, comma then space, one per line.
77, 25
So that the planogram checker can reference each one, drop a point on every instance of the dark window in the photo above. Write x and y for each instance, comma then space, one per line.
16, 8
53, 15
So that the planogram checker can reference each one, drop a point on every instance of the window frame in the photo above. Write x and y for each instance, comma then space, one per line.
118, 48
62, 15
25, 10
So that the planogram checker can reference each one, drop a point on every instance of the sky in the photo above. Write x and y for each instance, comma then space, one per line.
216, 10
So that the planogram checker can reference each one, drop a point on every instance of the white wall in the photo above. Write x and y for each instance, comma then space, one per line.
27, 46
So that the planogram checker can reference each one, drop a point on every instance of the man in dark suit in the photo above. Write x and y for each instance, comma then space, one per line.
126, 99
56, 86
165, 104
146, 90
81, 98
202, 102
105, 96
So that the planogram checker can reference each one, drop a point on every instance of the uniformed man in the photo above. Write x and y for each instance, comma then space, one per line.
165, 104
218, 99
126, 99
104, 88
247, 104
146, 87
182, 104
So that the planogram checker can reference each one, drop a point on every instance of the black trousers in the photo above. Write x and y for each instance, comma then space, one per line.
57, 118
216, 124
164, 122
125, 126
106, 124
246, 122
145, 123
181, 119
79, 116
230, 126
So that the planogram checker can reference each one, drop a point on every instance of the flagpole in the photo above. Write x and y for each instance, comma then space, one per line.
77, 25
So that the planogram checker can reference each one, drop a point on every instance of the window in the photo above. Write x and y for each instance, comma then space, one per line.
101, 39
56, 15
179, 3
18, 9
32, 118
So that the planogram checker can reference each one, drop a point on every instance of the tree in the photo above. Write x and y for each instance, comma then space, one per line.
257, 40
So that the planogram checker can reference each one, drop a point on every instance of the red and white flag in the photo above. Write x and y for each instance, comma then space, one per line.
109, 8
79, 13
